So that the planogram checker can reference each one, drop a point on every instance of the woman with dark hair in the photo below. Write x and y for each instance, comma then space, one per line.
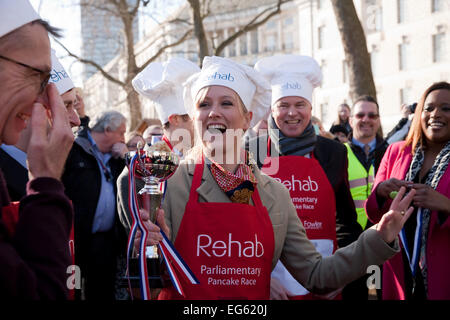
343, 116
420, 162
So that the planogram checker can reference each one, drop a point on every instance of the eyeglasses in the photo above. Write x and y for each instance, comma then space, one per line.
44, 75
370, 115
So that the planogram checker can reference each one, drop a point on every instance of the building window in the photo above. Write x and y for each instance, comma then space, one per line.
401, 11
374, 60
321, 37
231, 46
374, 16
437, 5
323, 67
271, 43
405, 95
270, 25
323, 111
344, 71
254, 41
288, 41
439, 49
379, 19
403, 56
320, 4
288, 21
243, 45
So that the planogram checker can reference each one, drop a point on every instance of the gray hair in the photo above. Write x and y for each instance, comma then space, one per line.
110, 119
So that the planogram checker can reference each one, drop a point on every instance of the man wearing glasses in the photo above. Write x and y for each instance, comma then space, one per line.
365, 150
34, 235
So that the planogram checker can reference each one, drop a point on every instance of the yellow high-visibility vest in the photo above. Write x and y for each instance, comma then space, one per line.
361, 183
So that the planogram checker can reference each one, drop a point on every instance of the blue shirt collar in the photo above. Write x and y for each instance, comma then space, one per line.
372, 144
16, 154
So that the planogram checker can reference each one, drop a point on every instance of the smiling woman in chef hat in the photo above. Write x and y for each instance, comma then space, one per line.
228, 220
162, 83
221, 132
302, 156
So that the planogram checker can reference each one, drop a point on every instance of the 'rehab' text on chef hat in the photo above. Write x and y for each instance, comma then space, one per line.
250, 86
290, 75
162, 83
14, 14
59, 76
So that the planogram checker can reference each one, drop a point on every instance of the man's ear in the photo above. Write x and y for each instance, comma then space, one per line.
248, 117
173, 119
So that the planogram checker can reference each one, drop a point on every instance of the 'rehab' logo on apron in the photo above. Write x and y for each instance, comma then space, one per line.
230, 248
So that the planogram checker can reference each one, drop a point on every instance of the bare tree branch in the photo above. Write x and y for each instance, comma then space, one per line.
98, 7
92, 63
163, 48
252, 25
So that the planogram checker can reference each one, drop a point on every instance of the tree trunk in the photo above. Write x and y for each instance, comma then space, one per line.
355, 48
134, 106
199, 30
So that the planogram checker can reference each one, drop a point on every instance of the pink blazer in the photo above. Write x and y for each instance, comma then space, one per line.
395, 164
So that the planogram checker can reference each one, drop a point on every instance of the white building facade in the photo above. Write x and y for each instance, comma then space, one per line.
408, 40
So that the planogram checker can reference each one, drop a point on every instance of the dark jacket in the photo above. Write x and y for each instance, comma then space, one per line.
15, 174
82, 181
34, 261
332, 156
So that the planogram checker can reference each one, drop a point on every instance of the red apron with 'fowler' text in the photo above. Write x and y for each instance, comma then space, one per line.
228, 246
313, 198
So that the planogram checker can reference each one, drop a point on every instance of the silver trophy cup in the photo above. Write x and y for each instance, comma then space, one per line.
154, 166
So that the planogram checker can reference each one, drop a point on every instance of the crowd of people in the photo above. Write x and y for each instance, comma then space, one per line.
265, 204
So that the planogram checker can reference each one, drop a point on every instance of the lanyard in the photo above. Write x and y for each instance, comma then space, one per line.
414, 259
94, 149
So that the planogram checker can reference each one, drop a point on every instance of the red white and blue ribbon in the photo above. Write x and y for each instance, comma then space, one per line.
169, 253
137, 223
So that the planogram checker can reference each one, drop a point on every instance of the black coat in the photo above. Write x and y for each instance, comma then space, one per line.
82, 182
332, 156
15, 174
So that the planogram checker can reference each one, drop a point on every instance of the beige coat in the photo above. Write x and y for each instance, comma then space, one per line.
292, 247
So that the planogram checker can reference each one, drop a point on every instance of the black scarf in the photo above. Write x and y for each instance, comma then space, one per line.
297, 146
435, 174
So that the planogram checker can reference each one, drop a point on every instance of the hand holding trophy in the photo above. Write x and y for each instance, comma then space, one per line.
154, 164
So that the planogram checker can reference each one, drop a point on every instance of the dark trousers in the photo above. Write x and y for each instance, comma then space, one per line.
99, 266
356, 290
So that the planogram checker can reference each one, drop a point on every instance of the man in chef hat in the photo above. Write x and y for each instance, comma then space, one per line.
34, 264
66, 89
162, 83
316, 166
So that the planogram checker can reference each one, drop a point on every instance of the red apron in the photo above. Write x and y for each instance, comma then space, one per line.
228, 246
10, 218
313, 198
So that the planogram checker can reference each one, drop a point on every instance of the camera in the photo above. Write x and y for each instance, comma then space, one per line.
412, 107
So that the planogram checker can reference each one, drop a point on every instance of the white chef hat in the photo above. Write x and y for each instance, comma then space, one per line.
59, 76
162, 83
14, 14
251, 87
290, 75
